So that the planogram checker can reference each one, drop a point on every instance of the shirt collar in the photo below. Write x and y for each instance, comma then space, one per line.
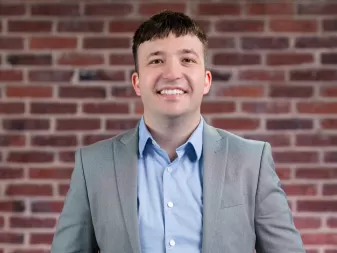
195, 139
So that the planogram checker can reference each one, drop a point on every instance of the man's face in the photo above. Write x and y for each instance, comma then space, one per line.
171, 78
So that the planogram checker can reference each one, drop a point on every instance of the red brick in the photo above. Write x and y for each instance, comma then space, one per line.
54, 141
314, 140
329, 58
92, 138
295, 156
29, 59
332, 222
236, 123
148, 9
32, 250
12, 108
77, 124
121, 59
236, 59
278, 91
239, 26
82, 26
239, 91
317, 107
307, 222
101, 108
316, 173
297, 26
330, 25
80, 59
317, 8
15, 206
63, 189
205, 25
218, 9
50, 75
275, 140
50, 173
313, 75
41, 238
106, 42
31, 91
316, 42
261, 75
270, 9
67, 156
123, 92
121, 124
53, 108
300, 189
55, 9
329, 123
329, 189
29, 190
102, 75
53, 42
283, 173
221, 42
10, 173
30, 157
266, 107
10, 43
330, 156
32, 222
124, 26
211, 107
11, 238
24, 124
329, 91
82, 92
219, 75
317, 205
2, 222
31, 26
280, 59
319, 239
7, 75
12, 9
108, 9
289, 124
327, 251
46, 206
266, 42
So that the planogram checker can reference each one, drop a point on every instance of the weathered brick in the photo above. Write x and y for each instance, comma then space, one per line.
236, 59
250, 91
314, 140
149, 9
46, 206
24, 124
289, 124
274, 8
297, 26
101, 75
266, 107
120, 124
123, 92
295, 156
270, 43
101, 108
121, 59
31, 222
221, 42
55, 9
82, 92
261, 75
50, 75
12, 140
316, 173
329, 58
328, 91
218, 9
317, 8
108, 9
15, 206
317, 107
330, 157
106, 42
53, 108
7, 9
29, 59
329, 189
329, 123
236, 123
67, 156
279, 59
63, 189
82, 26
12, 108
332, 222
92, 138
307, 222
41, 238
275, 140
10, 43
279, 91
330, 25
211, 107
11, 237
316, 42
52, 42
10, 173
80, 59
77, 124
313, 75
29, 91
32, 190
29, 26
54, 141
8, 75
300, 189
50, 173
30, 157
239, 26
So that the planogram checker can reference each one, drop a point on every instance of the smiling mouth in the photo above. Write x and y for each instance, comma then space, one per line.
171, 92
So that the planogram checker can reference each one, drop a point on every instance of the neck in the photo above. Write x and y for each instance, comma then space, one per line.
171, 132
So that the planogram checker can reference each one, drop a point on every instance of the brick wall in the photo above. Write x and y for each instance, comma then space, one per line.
65, 82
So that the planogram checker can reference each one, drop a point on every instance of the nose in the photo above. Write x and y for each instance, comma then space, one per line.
172, 69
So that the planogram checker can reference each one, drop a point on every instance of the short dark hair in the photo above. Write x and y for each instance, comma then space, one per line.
161, 25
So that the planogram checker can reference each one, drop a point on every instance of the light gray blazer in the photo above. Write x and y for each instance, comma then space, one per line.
243, 205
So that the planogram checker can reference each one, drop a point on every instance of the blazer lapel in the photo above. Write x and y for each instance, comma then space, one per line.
215, 148
125, 158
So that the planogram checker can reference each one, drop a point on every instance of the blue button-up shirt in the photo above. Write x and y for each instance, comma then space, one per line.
170, 195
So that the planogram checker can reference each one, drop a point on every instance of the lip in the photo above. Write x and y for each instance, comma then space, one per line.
171, 88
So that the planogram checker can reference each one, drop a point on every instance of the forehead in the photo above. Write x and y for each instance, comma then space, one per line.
171, 45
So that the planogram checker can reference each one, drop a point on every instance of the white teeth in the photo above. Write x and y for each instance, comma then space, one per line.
171, 92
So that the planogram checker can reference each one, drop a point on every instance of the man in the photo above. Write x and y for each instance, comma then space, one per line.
174, 183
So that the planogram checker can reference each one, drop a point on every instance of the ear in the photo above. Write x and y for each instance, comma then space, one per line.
135, 82
208, 82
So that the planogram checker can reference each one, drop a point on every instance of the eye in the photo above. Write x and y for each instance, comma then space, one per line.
156, 61
189, 60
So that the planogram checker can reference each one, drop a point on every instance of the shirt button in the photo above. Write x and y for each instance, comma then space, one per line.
172, 243
169, 169
170, 204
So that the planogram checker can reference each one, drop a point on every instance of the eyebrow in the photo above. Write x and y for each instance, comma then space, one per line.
181, 51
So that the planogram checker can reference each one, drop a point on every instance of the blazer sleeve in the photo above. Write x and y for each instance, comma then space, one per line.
74, 230
274, 226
